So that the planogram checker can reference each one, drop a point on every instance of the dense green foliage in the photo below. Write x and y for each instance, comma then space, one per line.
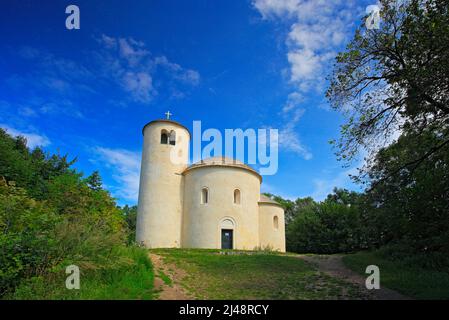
131, 279
389, 80
411, 206
130, 220
291, 208
334, 225
51, 217
395, 80
408, 211
327, 227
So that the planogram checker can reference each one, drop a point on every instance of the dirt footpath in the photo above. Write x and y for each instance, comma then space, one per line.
333, 266
172, 291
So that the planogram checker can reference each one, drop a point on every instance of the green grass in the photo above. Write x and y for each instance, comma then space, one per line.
133, 280
261, 275
165, 278
411, 281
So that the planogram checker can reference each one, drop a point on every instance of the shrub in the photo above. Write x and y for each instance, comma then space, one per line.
326, 227
129, 276
27, 236
51, 217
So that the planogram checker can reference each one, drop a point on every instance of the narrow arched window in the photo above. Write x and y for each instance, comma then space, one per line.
164, 137
172, 137
204, 196
275, 222
237, 196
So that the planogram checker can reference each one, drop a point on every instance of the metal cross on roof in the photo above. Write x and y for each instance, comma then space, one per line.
168, 114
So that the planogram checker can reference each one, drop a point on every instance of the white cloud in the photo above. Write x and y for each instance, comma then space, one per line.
268, 188
186, 75
33, 139
125, 166
140, 85
272, 8
50, 86
132, 66
132, 50
61, 107
27, 112
317, 28
54, 82
190, 76
305, 65
288, 138
290, 141
293, 101
108, 42
323, 187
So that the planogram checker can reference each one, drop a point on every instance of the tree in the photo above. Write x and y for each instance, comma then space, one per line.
411, 206
345, 197
330, 226
291, 208
94, 181
50, 217
394, 79
326, 227
130, 214
26, 235
31, 170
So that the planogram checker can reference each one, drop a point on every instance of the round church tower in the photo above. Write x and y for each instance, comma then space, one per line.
164, 158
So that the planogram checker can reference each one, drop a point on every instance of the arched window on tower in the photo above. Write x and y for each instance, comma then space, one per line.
164, 137
204, 196
275, 222
172, 137
237, 196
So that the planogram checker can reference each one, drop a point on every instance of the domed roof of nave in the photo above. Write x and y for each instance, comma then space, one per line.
222, 161
265, 199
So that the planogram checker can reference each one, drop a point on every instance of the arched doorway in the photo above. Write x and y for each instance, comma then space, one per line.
227, 233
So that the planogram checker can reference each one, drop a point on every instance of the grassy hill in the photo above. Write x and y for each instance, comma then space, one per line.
231, 275
131, 279
210, 274
218, 274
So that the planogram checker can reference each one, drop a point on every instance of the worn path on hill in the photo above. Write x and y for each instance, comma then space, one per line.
172, 291
334, 266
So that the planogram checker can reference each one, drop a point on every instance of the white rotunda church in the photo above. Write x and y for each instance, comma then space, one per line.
215, 203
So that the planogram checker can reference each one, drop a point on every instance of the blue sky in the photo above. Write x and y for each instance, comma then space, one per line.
230, 64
